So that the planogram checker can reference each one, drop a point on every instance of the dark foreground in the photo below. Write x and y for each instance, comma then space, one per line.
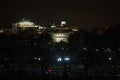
23, 75
56, 78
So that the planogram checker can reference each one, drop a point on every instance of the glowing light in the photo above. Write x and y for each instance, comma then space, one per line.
39, 59
59, 59
67, 59
35, 58
23, 24
49, 71
110, 58
1, 31
63, 22
53, 26
85, 49
75, 30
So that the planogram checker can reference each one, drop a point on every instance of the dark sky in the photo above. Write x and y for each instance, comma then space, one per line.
81, 12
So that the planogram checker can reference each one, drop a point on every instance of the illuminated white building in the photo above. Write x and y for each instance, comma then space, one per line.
60, 33
60, 36
23, 25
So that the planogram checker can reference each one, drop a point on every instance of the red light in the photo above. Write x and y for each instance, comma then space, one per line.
49, 71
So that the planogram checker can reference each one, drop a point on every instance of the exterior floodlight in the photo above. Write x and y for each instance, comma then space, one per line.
63, 22
59, 59
67, 59
39, 59
110, 58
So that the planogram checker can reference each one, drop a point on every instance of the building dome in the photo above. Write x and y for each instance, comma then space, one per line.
25, 23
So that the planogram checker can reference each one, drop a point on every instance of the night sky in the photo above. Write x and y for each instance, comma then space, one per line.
85, 13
